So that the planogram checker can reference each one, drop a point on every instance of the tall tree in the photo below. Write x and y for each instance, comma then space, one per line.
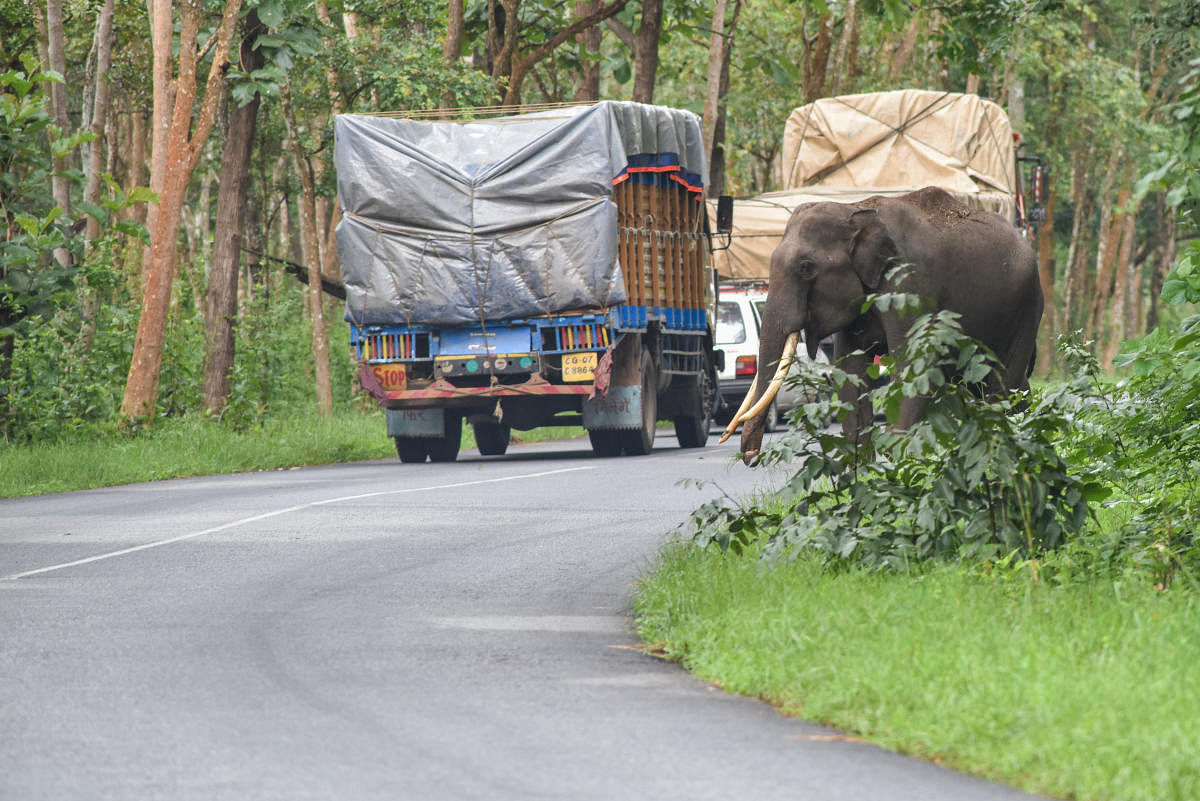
588, 88
719, 50
452, 49
310, 253
221, 298
816, 53
99, 116
515, 58
179, 138
644, 46
56, 44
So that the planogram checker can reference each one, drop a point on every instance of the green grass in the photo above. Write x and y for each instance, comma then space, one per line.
1082, 691
191, 447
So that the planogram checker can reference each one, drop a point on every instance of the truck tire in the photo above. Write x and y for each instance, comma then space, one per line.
640, 441
692, 430
445, 447
411, 450
492, 438
605, 442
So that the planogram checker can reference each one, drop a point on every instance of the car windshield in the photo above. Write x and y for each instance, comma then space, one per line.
731, 326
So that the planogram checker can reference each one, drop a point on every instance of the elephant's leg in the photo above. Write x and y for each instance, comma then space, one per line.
857, 395
911, 410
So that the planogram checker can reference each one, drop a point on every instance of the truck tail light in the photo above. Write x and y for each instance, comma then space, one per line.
746, 365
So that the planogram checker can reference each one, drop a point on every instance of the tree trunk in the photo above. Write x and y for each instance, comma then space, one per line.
1123, 298
1164, 257
816, 62
644, 47
56, 53
519, 65
221, 307
720, 47
1081, 202
905, 49
95, 164
452, 49
1046, 267
844, 61
136, 175
588, 88
310, 256
1112, 223
176, 158
645, 57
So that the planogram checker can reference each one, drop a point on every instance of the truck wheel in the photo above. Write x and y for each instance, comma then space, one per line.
445, 447
692, 431
605, 442
492, 438
411, 450
640, 441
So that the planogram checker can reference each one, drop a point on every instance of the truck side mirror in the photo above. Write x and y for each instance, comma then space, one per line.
725, 214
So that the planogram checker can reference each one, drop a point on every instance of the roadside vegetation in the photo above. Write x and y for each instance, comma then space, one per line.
1014, 595
1010, 592
1071, 685
192, 446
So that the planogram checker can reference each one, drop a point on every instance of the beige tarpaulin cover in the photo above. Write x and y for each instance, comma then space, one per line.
849, 148
758, 224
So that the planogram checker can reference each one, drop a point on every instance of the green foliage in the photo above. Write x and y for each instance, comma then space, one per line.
1072, 690
58, 387
33, 284
62, 389
1153, 417
1178, 175
192, 446
978, 34
1144, 430
972, 478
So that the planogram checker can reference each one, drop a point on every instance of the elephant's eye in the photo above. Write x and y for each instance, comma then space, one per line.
806, 268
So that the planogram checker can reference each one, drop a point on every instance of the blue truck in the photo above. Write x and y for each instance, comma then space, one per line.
537, 269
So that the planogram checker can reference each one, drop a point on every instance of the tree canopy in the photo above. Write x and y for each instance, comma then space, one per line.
1094, 88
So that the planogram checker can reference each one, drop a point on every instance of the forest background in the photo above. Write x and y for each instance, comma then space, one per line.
169, 197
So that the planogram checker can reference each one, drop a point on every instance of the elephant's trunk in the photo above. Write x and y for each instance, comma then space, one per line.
784, 316
759, 399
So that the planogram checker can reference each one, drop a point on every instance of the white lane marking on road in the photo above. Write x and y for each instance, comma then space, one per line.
278, 512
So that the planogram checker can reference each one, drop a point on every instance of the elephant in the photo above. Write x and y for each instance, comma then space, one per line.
832, 255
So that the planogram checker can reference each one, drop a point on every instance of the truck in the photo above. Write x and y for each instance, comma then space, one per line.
549, 267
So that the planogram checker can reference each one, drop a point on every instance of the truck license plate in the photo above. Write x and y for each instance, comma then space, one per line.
579, 367
392, 377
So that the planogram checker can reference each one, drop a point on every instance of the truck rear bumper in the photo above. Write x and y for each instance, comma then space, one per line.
443, 393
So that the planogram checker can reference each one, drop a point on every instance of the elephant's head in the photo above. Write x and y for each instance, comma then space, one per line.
830, 257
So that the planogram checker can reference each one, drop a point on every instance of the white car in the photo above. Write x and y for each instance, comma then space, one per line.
739, 317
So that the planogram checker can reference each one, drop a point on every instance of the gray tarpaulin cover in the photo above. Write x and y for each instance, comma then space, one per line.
450, 223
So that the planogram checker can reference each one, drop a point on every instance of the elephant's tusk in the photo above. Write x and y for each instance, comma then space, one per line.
737, 417
785, 363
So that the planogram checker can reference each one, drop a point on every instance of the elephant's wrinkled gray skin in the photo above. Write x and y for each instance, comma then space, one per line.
965, 260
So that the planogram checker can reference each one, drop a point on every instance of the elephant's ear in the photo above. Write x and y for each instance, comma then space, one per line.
871, 247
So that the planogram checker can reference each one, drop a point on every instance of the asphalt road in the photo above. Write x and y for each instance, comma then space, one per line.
386, 631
